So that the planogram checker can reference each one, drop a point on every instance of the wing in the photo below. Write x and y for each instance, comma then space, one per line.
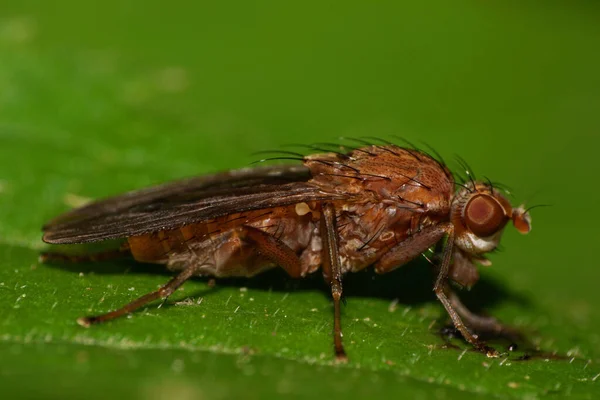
184, 202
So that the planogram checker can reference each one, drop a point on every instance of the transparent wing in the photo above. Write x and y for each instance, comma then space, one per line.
184, 202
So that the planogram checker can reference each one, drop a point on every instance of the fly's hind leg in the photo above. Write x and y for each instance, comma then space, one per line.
162, 293
273, 249
267, 245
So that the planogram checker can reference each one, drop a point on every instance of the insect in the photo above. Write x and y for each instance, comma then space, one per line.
340, 211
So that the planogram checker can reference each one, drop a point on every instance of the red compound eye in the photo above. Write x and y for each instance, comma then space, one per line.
484, 216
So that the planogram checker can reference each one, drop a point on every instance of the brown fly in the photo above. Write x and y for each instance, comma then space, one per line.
377, 205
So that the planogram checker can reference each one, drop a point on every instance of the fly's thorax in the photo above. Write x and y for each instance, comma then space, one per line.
479, 214
408, 178
388, 193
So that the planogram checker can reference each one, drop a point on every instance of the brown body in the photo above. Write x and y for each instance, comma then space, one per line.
368, 225
221, 244
375, 206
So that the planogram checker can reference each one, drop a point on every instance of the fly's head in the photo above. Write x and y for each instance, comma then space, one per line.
480, 213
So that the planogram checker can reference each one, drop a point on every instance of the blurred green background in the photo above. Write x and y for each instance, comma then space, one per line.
98, 97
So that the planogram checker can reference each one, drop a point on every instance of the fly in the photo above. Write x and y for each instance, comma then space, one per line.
341, 212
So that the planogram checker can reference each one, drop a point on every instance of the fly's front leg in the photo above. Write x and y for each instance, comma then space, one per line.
411, 248
439, 289
482, 324
332, 271
281, 254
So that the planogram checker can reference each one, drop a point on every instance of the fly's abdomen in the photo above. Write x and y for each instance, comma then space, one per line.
218, 246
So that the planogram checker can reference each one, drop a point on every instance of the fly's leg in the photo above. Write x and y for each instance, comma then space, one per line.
482, 324
415, 245
332, 271
439, 287
162, 293
267, 245
273, 249
410, 248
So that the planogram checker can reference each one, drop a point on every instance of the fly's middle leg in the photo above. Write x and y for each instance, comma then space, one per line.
281, 254
332, 271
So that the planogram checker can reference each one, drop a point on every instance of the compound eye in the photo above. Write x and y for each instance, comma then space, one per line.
484, 216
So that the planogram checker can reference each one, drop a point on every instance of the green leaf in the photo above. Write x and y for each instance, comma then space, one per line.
97, 98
